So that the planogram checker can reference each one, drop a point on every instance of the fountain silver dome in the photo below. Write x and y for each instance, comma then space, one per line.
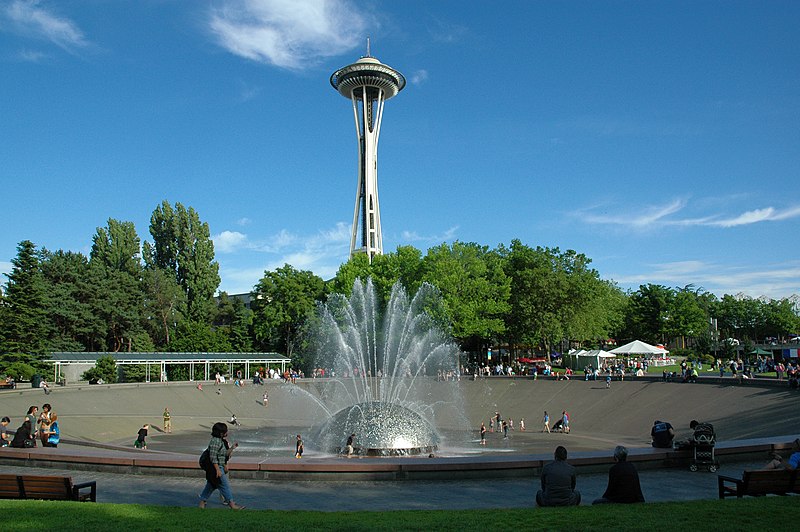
381, 429
383, 366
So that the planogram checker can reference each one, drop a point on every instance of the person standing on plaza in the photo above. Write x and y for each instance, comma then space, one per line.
623, 481
32, 419
266, 399
522, 424
167, 421
558, 482
219, 452
505, 429
546, 421
298, 447
565, 422
44, 423
483, 434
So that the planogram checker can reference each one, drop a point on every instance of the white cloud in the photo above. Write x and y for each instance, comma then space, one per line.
244, 221
229, 241
649, 216
290, 34
419, 77
322, 253
413, 236
758, 215
30, 18
31, 56
773, 280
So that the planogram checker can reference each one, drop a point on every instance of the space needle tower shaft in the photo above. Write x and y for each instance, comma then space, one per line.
368, 83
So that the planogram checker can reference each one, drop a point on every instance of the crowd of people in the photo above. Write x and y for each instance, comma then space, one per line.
36, 429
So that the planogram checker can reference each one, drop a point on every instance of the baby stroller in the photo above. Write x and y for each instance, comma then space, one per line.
703, 444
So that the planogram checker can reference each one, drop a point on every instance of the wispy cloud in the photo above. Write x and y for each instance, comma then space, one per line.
773, 280
291, 34
33, 19
321, 252
413, 236
657, 216
419, 77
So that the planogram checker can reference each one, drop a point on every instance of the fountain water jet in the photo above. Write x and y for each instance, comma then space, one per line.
382, 365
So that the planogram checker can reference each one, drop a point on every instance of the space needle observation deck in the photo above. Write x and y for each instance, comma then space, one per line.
368, 83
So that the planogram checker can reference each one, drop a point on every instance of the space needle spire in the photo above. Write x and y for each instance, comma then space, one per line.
368, 83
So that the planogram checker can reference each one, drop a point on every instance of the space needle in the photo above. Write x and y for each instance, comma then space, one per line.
368, 83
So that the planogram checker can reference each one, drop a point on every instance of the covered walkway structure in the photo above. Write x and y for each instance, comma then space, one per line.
157, 362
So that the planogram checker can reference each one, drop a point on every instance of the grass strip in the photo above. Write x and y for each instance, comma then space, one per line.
729, 515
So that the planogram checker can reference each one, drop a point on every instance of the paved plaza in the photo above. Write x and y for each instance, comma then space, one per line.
110, 415
657, 485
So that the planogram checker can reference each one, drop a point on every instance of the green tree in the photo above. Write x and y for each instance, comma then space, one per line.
163, 298
647, 313
182, 245
24, 311
358, 267
116, 271
196, 337
69, 301
284, 299
475, 290
686, 316
105, 368
235, 320
556, 296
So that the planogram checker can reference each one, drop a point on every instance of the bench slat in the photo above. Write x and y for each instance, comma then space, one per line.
756, 483
41, 487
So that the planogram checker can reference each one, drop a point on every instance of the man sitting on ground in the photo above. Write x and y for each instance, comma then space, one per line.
623, 481
662, 434
558, 482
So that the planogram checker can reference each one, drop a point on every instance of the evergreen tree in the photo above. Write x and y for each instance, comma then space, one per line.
24, 314
116, 271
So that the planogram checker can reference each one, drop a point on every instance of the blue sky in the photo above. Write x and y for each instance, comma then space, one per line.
661, 139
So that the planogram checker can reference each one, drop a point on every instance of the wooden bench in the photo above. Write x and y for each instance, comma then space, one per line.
7, 385
50, 488
756, 483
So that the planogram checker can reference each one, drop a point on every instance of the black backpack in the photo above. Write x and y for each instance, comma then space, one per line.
205, 461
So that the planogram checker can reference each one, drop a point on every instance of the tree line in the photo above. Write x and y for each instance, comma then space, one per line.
159, 295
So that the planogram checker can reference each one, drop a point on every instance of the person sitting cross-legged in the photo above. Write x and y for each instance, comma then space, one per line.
623, 481
558, 482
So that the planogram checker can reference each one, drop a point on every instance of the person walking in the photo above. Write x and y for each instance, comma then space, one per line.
546, 421
219, 452
298, 447
483, 434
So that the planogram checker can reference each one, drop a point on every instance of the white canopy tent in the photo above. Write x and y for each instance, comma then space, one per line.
578, 360
637, 347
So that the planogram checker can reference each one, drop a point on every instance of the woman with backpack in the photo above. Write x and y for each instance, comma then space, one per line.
216, 466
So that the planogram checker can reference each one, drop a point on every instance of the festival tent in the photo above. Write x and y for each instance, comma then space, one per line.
637, 347
578, 360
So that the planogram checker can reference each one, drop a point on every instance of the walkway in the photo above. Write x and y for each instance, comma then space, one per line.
658, 486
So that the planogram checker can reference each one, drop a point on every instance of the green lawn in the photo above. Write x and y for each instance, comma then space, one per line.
773, 513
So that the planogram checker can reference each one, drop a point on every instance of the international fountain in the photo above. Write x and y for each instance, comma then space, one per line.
380, 364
